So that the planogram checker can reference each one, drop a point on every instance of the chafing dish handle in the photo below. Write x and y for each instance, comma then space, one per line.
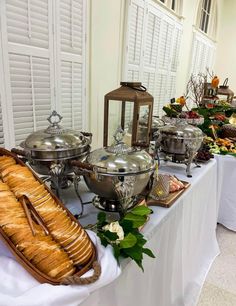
140, 144
87, 134
18, 152
82, 165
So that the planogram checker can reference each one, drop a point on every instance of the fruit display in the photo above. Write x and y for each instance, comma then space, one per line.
220, 117
221, 145
190, 115
204, 153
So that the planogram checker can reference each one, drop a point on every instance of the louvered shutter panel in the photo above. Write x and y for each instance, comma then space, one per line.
1, 124
153, 44
175, 49
29, 64
165, 44
164, 64
30, 88
71, 60
152, 39
203, 53
27, 22
135, 40
160, 94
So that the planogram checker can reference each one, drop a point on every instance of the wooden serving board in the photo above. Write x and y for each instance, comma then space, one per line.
170, 200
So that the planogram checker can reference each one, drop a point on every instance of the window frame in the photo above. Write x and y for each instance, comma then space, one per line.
205, 15
212, 22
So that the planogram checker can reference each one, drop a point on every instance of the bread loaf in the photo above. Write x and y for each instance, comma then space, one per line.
67, 233
41, 250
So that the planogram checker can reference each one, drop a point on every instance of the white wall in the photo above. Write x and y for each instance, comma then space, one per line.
106, 36
226, 51
190, 9
189, 17
106, 45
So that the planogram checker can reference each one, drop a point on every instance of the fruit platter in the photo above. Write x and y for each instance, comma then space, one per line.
221, 145
204, 154
175, 114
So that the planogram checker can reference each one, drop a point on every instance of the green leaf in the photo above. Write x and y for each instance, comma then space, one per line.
101, 217
116, 251
148, 252
127, 225
128, 242
141, 241
111, 236
136, 219
104, 241
135, 253
141, 210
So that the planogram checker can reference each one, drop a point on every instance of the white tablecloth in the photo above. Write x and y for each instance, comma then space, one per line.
226, 176
184, 242
182, 238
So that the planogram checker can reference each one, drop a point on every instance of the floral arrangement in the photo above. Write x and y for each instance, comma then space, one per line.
124, 235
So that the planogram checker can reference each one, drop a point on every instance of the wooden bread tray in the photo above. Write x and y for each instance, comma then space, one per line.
34, 271
170, 200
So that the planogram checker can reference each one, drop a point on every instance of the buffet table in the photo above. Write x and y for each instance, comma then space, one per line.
184, 242
182, 238
226, 176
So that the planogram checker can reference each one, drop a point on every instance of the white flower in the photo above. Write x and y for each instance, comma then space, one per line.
115, 227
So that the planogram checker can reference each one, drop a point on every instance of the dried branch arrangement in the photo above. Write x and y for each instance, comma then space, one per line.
195, 88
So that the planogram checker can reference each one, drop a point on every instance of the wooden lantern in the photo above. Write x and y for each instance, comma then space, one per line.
136, 93
224, 90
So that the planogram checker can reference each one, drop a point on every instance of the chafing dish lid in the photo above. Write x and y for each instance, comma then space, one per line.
121, 158
182, 130
55, 137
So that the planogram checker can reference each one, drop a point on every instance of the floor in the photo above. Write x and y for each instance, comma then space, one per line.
220, 286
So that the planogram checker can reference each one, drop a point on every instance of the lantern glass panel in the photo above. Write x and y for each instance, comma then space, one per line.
129, 109
114, 119
142, 126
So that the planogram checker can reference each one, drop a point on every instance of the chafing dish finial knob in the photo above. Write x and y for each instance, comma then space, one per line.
54, 118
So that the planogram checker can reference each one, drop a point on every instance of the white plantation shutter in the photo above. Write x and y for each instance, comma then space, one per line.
72, 62
203, 53
71, 94
44, 59
151, 48
135, 40
165, 44
177, 35
152, 39
174, 60
133, 75
153, 62
30, 90
29, 64
27, 22
160, 99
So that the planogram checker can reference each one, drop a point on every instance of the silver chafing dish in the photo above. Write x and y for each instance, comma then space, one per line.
181, 142
143, 122
50, 152
115, 172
